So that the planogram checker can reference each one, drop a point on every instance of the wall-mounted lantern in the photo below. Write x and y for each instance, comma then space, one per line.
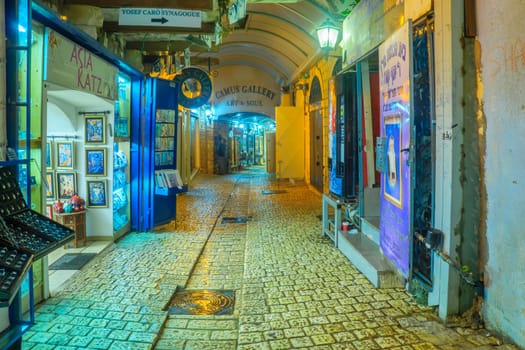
327, 34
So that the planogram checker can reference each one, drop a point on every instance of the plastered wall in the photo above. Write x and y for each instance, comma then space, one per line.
501, 122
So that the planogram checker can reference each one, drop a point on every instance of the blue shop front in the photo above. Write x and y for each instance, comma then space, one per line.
84, 123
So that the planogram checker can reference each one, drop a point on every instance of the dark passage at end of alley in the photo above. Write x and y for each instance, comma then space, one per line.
276, 284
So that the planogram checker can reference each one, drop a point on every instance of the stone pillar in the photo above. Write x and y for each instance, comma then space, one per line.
449, 25
86, 18
285, 98
134, 57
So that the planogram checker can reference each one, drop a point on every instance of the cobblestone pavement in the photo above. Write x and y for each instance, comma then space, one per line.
293, 289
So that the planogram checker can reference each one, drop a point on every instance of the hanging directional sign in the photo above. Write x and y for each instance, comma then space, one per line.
134, 16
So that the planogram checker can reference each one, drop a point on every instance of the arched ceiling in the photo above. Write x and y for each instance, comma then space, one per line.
277, 37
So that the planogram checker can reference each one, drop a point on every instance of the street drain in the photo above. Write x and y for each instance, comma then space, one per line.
235, 220
202, 302
273, 191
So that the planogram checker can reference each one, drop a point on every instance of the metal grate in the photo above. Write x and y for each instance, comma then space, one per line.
202, 302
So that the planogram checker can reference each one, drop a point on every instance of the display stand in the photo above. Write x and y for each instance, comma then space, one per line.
165, 121
75, 221
120, 189
165, 158
25, 236
331, 223
156, 152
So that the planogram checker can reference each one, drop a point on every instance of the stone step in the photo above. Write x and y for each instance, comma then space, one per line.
370, 227
367, 258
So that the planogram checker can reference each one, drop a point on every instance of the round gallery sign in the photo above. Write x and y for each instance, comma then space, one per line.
195, 87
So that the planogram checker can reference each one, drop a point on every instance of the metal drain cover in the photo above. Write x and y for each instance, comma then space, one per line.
273, 191
202, 302
235, 220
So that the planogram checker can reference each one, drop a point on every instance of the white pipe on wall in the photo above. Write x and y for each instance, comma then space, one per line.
3, 125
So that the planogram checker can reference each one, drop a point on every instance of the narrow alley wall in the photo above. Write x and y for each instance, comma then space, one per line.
501, 125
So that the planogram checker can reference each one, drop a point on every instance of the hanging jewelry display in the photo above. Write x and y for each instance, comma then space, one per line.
24, 235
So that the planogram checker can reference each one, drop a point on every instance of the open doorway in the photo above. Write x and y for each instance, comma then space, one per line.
370, 126
316, 136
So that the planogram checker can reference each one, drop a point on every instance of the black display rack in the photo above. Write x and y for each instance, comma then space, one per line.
14, 265
25, 235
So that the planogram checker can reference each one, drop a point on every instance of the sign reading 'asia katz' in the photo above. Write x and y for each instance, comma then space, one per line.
75, 67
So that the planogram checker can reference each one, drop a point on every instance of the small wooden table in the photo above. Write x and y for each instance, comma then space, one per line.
75, 221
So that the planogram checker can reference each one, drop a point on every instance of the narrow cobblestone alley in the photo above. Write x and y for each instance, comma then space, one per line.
292, 288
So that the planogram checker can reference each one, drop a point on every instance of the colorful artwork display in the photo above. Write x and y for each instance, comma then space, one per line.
66, 185
50, 185
165, 137
65, 154
393, 182
96, 162
95, 130
97, 193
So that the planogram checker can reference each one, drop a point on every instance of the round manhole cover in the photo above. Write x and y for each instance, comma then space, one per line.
203, 302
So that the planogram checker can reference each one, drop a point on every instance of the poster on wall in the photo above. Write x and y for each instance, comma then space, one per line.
395, 97
394, 182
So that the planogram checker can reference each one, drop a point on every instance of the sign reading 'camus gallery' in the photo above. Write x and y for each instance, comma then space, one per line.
237, 89
245, 95
245, 90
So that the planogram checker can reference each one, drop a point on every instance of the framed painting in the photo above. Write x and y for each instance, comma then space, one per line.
65, 154
50, 185
96, 193
95, 129
49, 211
96, 162
66, 185
49, 155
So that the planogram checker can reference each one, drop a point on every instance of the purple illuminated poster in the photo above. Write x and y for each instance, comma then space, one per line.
394, 70
335, 183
